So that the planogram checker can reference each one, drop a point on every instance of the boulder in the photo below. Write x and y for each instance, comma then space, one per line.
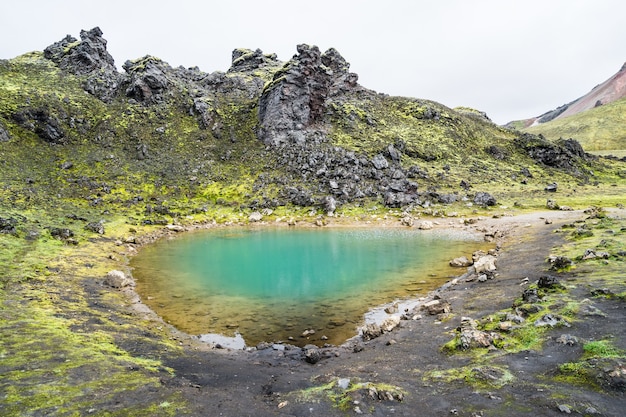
484, 199
461, 262
312, 355
329, 204
407, 221
255, 217
425, 225
551, 188
470, 337
117, 279
549, 282
485, 263
435, 307
96, 227
380, 162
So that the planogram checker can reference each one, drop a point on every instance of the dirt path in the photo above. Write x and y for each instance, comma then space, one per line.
393, 374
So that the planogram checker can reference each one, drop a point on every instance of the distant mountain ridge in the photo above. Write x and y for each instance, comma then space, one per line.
609, 91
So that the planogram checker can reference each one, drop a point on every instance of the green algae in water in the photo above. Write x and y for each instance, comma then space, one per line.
272, 284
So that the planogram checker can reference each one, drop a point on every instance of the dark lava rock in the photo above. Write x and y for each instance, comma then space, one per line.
8, 225
246, 60
87, 57
560, 262
549, 282
485, 199
294, 102
312, 355
148, 79
61, 233
42, 123
96, 227
81, 57
530, 295
551, 188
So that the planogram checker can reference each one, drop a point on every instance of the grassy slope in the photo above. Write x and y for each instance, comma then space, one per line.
598, 129
59, 327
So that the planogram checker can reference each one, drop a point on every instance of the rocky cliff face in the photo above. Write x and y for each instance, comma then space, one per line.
292, 106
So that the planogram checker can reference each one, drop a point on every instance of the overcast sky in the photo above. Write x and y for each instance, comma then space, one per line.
511, 59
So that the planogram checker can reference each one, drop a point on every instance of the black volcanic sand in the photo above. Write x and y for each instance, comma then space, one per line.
268, 382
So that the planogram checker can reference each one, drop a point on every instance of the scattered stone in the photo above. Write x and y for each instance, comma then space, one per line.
484, 199
96, 227
471, 337
117, 279
567, 339
435, 307
343, 383
551, 321
589, 310
392, 309
549, 282
551, 188
312, 355
560, 262
564, 409
552, 205
391, 342
407, 221
175, 228
308, 332
461, 262
255, 217
329, 204
425, 225
485, 263
515, 318
602, 292
592, 254
8, 225
530, 295
61, 233
278, 347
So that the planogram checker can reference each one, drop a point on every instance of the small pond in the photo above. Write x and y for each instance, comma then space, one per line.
271, 284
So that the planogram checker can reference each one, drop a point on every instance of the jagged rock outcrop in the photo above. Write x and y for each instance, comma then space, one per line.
563, 154
148, 79
87, 57
292, 107
247, 60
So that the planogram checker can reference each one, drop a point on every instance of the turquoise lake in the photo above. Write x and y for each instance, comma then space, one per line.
271, 284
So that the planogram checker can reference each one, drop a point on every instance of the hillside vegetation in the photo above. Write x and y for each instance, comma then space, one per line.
599, 129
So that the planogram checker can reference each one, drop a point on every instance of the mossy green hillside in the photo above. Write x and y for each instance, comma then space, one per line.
597, 129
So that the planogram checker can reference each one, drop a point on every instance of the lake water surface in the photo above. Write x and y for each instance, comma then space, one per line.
271, 284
